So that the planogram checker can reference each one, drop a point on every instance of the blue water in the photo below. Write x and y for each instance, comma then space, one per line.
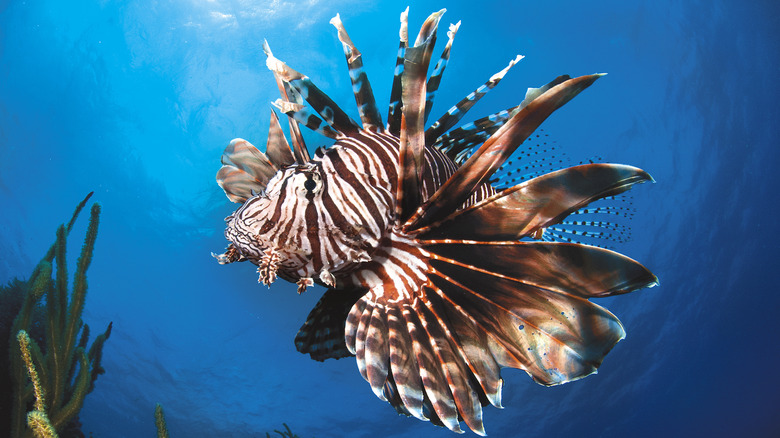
136, 100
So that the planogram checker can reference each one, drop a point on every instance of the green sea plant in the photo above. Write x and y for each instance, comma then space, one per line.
159, 421
37, 419
53, 375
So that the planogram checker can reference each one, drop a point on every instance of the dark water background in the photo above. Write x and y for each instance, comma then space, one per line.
136, 100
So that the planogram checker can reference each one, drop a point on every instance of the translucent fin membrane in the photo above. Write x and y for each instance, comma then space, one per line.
454, 114
394, 113
457, 144
438, 70
412, 124
364, 96
481, 166
331, 113
605, 223
538, 155
299, 146
529, 207
464, 138
245, 170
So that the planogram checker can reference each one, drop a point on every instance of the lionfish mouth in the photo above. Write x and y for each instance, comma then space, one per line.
442, 267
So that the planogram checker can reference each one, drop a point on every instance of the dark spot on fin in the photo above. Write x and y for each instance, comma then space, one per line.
539, 156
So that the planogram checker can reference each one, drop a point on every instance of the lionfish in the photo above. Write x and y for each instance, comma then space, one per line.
436, 277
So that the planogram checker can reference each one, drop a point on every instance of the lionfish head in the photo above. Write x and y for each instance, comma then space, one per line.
289, 225
268, 228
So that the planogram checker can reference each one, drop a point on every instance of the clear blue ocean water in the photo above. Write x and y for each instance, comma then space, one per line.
136, 100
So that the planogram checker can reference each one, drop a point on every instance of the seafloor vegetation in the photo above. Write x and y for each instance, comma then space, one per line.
49, 367
46, 365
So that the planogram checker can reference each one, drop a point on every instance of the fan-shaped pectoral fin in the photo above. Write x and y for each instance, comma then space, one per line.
409, 352
552, 267
531, 301
437, 352
553, 338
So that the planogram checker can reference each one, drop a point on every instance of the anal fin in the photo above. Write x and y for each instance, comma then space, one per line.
322, 335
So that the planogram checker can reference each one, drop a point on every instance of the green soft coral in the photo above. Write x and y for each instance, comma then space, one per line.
159, 421
37, 419
66, 372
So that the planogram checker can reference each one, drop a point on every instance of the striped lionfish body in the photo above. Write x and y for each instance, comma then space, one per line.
436, 278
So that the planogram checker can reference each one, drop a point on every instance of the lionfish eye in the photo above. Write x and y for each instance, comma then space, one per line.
312, 184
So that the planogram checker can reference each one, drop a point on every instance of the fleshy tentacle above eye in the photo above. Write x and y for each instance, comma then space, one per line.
302, 115
289, 95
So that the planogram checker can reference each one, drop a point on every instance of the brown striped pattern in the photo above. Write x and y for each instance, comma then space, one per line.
434, 280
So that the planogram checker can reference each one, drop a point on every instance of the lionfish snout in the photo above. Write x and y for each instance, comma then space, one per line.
255, 235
